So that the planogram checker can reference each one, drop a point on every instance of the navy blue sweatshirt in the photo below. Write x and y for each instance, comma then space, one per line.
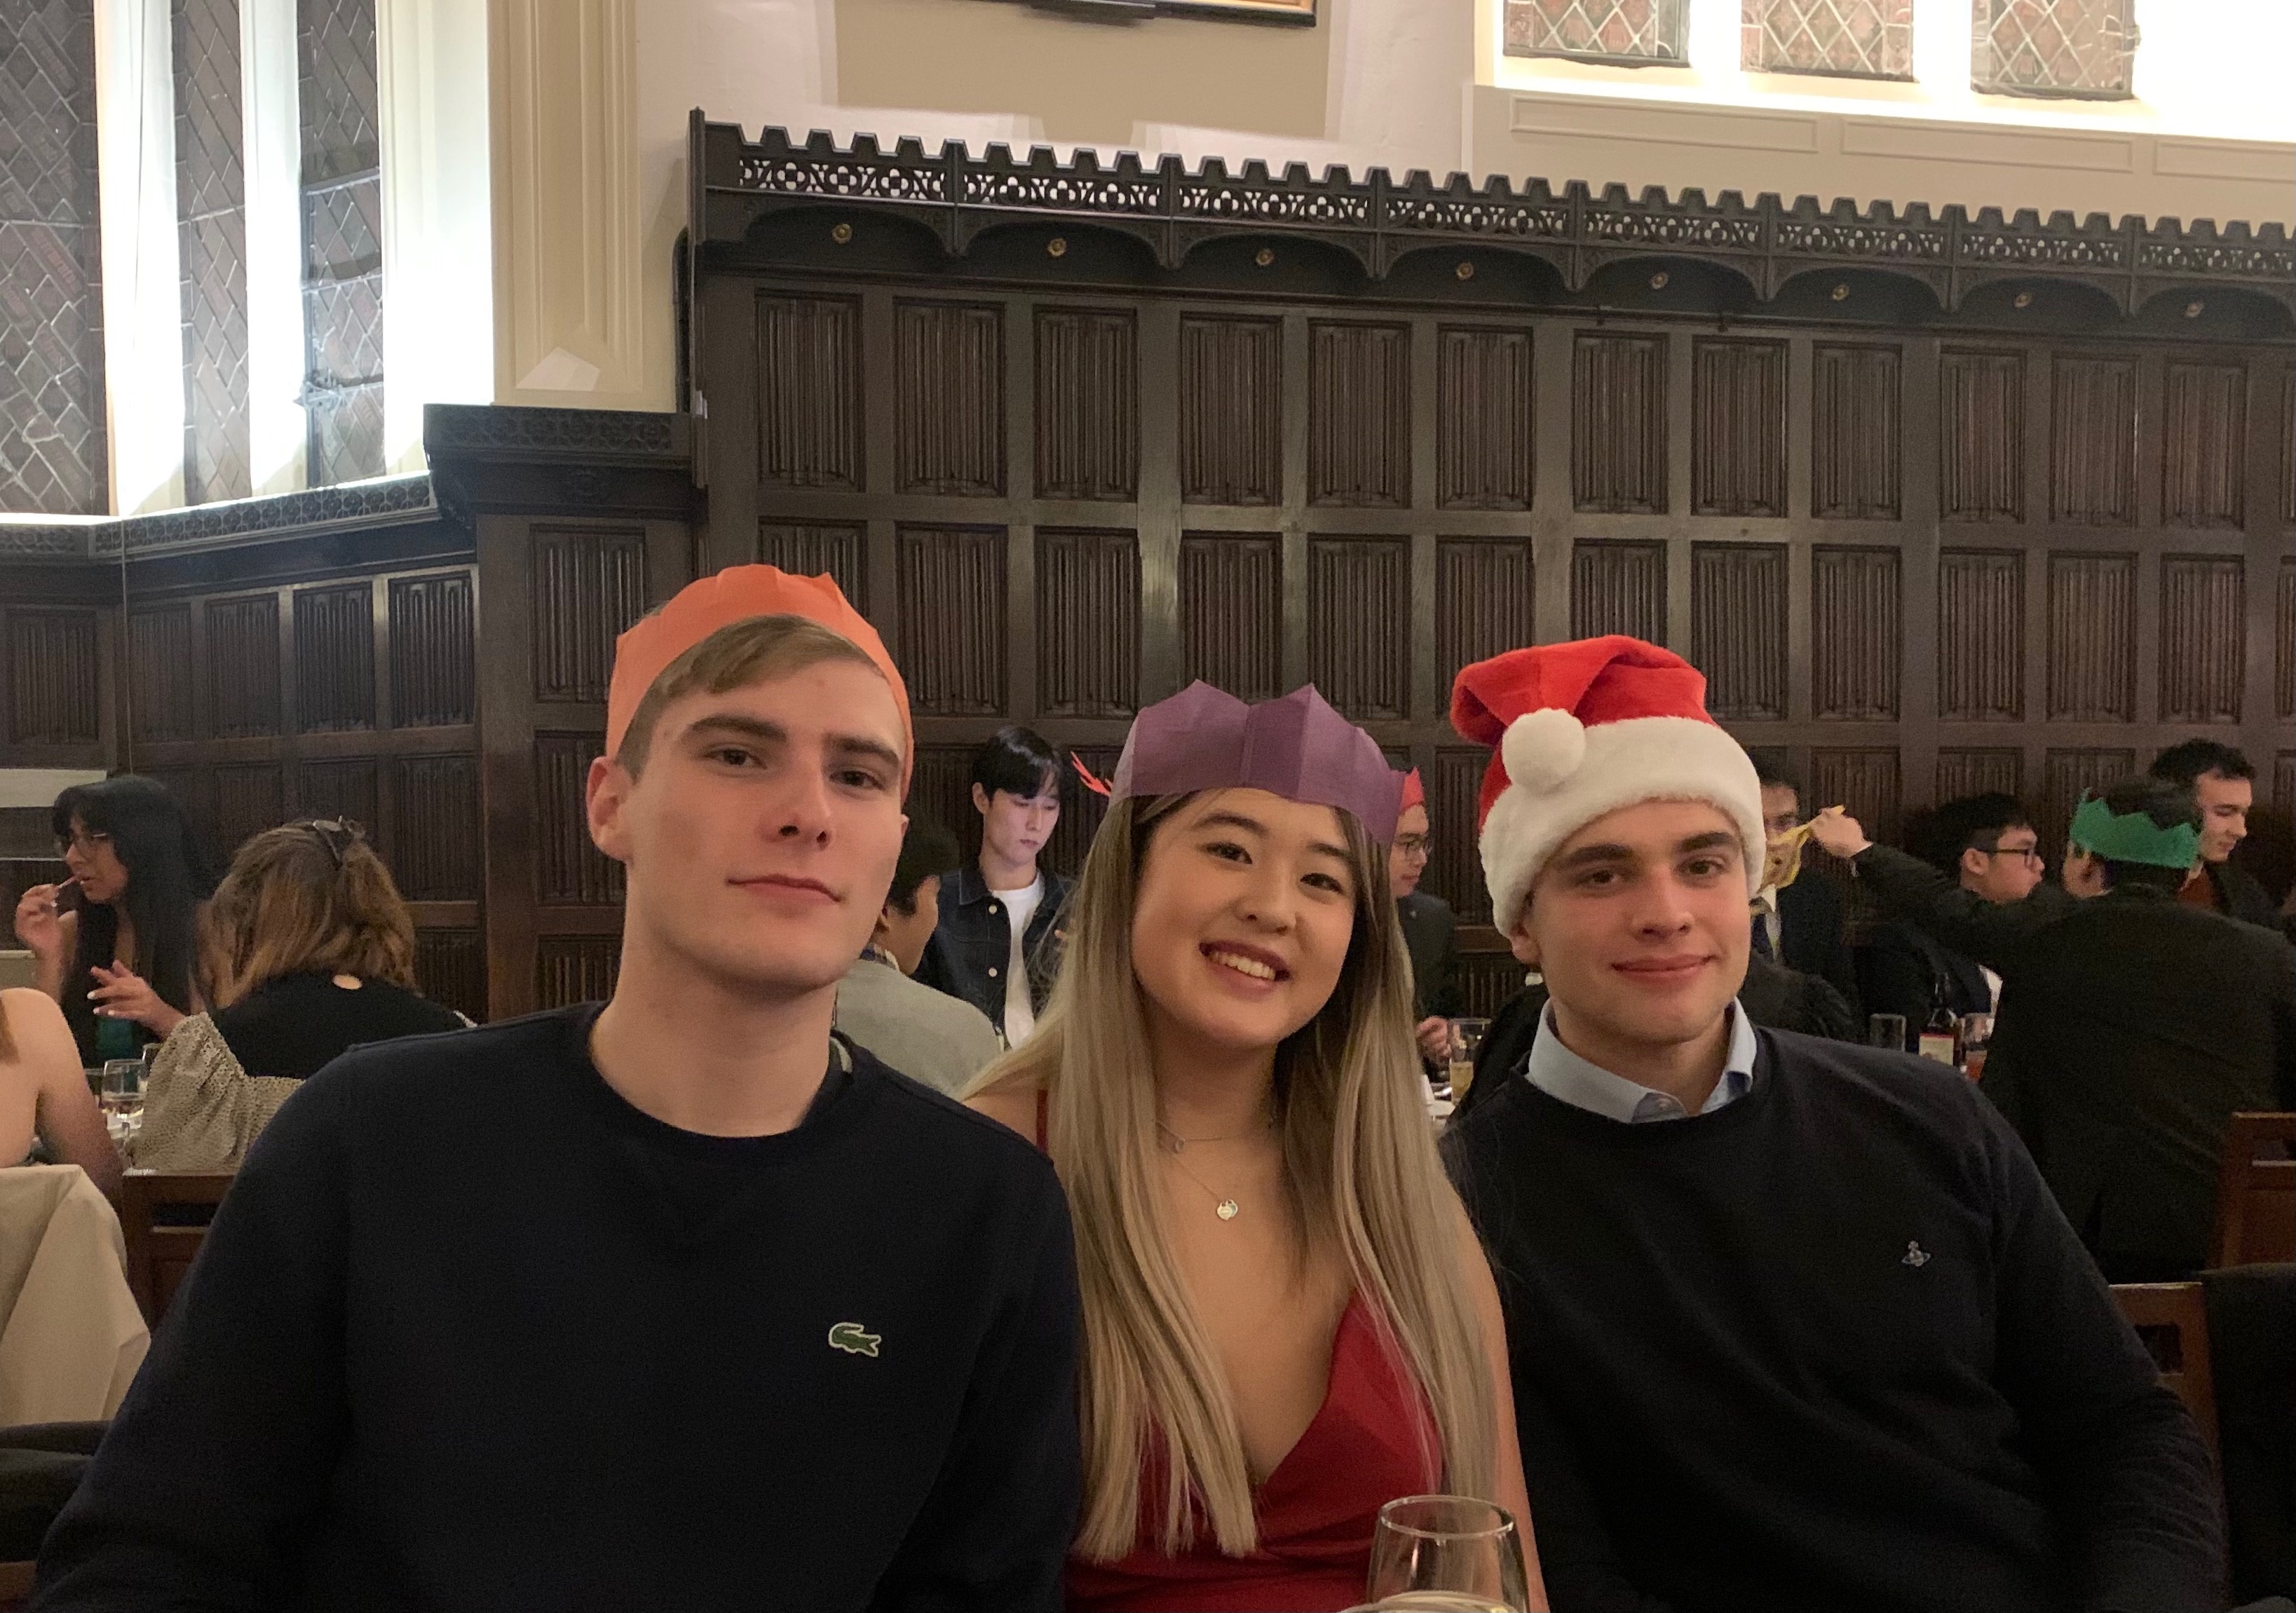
472, 1332
1830, 1346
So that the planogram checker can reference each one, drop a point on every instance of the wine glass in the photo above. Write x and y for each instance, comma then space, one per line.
1466, 1041
122, 1087
1447, 1554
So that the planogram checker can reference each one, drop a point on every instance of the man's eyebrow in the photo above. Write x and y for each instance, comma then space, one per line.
1711, 840
861, 745
1587, 856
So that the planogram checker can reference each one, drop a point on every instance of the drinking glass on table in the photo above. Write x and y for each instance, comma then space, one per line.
1886, 1030
1447, 1554
121, 1086
1466, 1041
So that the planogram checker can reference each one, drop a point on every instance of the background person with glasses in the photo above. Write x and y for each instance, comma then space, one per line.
1430, 930
115, 943
1987, 845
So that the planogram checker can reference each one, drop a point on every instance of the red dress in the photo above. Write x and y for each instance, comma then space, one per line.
1372, 1440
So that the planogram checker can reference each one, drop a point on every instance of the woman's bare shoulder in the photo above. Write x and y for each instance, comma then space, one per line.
1013, 1102
30, 1011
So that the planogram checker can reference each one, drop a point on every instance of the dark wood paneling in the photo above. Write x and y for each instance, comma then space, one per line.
1482, 603
2284, 642
952, 638
1087, 403
568, 867
1618, 423
1088, 622
1489, 980
1359, 624
1979, 771
2287, 435
2093, 441
2065, 774
351, 788
1865, 779
1738, 629
949, 410
1358, 415
2203, 623
1980, 642
1232, 612
2283, 781
2204, 441
334, 658
159, 684
1856, 633
52, 692
940, 791
243, 657
433, 635
1738, 428
250, 796
1231, 426
838, 549
1455, 866
1081, 809
1855, 439
2092, 630
574, 968
1618, 587
1981, 436
590, 586
450, 969
435, 841
809, 391
1483, 445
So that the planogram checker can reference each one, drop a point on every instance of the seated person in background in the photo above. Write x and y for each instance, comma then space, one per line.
1289, 1323
1430, 930
43, 1095
1987, 845
2223, 785
310, 953
926, 1035
677, 1301
999, 943
2132, 1026
1801, 922
1796, 1327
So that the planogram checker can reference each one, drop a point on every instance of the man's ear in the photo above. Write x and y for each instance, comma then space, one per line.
1974, 863
1522, 942
606, 795
980, 800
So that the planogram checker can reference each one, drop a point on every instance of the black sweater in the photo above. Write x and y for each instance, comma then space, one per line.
472, 1332
1829, 1348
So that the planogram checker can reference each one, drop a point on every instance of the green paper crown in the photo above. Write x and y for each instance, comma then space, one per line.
2132, 837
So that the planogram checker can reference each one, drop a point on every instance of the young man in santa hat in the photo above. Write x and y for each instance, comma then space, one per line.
1794, 1324
672, 1302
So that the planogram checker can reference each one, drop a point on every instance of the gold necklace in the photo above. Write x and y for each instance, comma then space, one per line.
1225, 1208
1224, 1205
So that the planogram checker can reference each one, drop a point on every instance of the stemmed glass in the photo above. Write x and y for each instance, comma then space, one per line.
1447, 1554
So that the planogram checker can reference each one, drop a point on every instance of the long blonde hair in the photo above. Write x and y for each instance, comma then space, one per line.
309, 897
1359, 1163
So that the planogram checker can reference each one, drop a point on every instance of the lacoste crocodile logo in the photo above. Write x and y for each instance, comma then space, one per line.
850, 1338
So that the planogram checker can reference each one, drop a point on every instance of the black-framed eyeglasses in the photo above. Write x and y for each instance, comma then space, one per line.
2029, 854
86, 841
1414, 845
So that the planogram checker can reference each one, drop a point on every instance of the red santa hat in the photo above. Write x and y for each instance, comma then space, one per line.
1581, 730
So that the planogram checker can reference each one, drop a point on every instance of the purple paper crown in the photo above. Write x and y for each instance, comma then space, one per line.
1298, 748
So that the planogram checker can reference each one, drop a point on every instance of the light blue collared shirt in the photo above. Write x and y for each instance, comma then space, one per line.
1559, 1073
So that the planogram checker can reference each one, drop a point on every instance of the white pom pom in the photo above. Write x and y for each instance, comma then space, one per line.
1543, 749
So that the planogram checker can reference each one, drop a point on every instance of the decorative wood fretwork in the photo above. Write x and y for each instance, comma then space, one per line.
243, 657
1854, 433
1618, 587
2203, 638
1982, 635
1617, 413
1359, 625
160, 687
432, 640
1738, 428
590, 586
1231, 411
809, 391
1232, 612
2092, 632
1482, 603
949, 412
811, 548
334, 658
1087, 403
1858, 625
569, 868
1981, 437
1358, 415
1991, 770
952, 619
1738, 629
441, 793
2093, 441
2205, 442
1088, 622
1483, 419
52, 681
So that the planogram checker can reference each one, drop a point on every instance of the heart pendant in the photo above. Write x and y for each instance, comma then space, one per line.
1226, 1210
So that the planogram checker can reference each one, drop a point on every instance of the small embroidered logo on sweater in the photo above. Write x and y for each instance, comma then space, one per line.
849, 1337
1916, 1257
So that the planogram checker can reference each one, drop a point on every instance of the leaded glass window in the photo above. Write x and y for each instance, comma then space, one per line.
1847, 38
1631, 33
2054, 48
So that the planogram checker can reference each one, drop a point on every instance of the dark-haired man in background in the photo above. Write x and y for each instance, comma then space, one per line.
1802, 924
2223, 785
998, 945
1987, 845
2132, 1027
926, 1035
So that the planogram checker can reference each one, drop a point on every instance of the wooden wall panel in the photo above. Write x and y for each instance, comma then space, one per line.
432, 636
1738, 428
1738, 629
53, 690
1482, 603
2204, 443
1232, 612
1455, 868
1359, 624
250, 796
243, 657
809, 431
1087, 403
1865, 779
434, 847
1487, 980
1618, 587
940, 791
159, 684
574, 968
1484, 454
1088, 622
952, 639
1231, 411
2283, 641
352, 789
1980, 771
2065, 774
841, 548
1855, 437
1981, 436
334, 658
1618, 423
2287, 435
948, 430
1981, 643
1358, 415
589, 584
2092, 630
1856, 633
2283, 781
568, 867
2093, 441
450, 969
1081, 809
2203, 647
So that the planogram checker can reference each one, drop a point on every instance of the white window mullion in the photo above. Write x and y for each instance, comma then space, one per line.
278, 434
143, 257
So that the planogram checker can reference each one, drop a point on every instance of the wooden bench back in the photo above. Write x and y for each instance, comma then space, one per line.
159, 1255
2255, 1192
